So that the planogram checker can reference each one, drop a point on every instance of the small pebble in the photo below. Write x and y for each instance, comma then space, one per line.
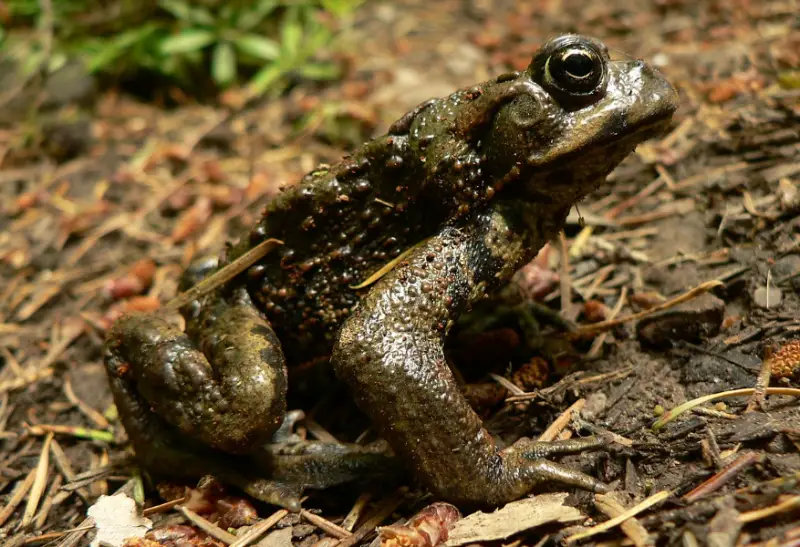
767, 298
692, 321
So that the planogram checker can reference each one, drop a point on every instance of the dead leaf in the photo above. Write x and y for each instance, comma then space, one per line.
191, 220
428, 528
514, 518
278, 538
117, 519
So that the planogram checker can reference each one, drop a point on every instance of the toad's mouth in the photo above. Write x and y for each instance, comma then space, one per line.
570, 177
623, 137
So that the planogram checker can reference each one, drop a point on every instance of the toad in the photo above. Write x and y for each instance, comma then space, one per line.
381, 254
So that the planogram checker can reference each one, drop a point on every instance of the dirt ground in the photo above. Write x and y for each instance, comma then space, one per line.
105, 198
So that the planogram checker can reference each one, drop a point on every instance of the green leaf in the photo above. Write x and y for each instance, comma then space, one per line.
186, 12
265, 78
228, 14
191, 39
258, 46
57, 60
250, 19
341, 8
223, 64
180, 10
318, 37
291, 35
23, 8
319, 71
32, 62
113, 49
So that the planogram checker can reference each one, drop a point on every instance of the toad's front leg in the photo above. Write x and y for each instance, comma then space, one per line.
390, 351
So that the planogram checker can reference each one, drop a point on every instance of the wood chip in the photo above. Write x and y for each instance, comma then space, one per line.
514, 518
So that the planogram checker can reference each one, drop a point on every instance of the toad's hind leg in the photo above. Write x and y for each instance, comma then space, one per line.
208, 401
390, 351
223, 382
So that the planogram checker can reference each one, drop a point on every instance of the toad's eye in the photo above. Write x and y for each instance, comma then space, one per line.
574, 69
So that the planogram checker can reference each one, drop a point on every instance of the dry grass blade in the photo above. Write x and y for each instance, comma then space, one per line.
326, 525
70, 330
381, 513
39, 483
678, 410
599, 278
720, 479
52, 498
223, 275
65, 468
510, 386
98, 419
259, 529
632, 528
207, 526
388, 267
630, 202
72, 537
31, 378
163, 507
619, 519
552, 432
45, 538
688, 295
79, 432
356, 511
710, 175
597, 343
789, 504
17, 496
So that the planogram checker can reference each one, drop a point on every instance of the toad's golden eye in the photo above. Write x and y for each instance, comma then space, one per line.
575, 69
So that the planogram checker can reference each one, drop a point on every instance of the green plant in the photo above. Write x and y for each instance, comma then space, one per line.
261, 42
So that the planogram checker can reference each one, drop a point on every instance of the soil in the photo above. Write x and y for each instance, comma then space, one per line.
105, 199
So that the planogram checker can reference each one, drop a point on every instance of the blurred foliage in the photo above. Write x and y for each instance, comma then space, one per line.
194, 44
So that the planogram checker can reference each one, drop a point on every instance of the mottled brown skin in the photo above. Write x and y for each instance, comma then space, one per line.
474, 184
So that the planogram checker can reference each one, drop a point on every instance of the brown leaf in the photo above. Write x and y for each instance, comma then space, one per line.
134, 282
428, 528
646, 300
531, 375
595, 311
191, 220
135, 304
235, 512
259, 185
212, 171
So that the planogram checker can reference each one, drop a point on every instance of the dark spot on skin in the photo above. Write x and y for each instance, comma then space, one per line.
395, 162
258, 233
256, 271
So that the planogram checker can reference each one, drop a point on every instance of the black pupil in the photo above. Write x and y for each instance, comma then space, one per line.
578, 65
